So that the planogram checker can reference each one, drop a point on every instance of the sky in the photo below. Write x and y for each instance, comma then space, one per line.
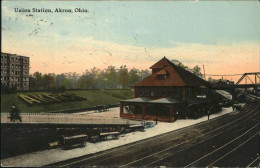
223, 36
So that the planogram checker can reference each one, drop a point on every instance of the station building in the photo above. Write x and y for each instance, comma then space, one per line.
15, 71
169, 92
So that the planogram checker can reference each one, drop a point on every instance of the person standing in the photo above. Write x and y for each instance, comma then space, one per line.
208, 114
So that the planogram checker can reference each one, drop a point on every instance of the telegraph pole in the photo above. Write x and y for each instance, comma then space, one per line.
204, 72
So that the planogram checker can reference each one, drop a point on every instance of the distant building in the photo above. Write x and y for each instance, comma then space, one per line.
15, 71
223, 82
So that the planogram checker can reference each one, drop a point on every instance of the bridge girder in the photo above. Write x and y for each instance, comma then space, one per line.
247, 76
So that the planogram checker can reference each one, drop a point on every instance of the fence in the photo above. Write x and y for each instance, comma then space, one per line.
67, 119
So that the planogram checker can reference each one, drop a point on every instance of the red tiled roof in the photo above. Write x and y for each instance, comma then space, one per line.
160, 64
162, 72
176, 76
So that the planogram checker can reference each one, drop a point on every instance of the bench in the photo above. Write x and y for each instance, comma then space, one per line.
104, 135
76, 139
136, 127
100, 108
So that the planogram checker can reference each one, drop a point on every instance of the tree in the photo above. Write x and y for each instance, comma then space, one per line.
123, 76
88, 79
211, 80
32, 83
38, 81
134, 76
144, 73
180, 64
49, 81
73, 79
195, 70
111, 77
62, 81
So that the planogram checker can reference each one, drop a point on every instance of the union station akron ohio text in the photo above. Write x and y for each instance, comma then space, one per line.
168, 93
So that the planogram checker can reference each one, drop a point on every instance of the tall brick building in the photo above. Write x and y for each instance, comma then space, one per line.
15, 71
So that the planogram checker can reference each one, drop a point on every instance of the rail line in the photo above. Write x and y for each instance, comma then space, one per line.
210, 137
254, 161
232, 150
207, 155
192, 139
141, 142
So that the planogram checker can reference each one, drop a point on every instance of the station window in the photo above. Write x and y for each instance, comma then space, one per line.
140, 91
147, 91
164, 92
190, 91
152, 92
176, 92
170, 92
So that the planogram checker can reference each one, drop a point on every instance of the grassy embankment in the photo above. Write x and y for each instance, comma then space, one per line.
94, 97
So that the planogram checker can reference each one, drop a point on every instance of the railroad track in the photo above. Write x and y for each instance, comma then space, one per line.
120, 156
152, 160
254, 163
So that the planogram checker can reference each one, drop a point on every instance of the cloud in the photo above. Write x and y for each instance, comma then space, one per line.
68, 54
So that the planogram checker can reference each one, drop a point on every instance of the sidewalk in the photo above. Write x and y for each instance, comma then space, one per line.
46, 157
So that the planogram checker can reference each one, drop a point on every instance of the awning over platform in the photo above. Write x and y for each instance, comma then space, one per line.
165, 101
148, 100
138, 100
225, 94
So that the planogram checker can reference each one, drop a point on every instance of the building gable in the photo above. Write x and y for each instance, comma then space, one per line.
165, 73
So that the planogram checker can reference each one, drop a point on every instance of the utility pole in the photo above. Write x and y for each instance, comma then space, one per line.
204, 72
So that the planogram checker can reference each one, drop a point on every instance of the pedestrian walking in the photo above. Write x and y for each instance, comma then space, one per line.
208, 114
156, 121
15, 113
176, 115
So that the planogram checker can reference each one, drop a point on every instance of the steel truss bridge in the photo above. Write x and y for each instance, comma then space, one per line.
251, 80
